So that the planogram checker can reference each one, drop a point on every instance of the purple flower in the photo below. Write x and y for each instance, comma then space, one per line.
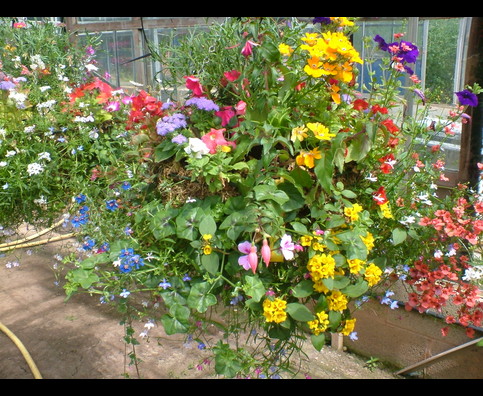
202, 103
164, 284
466, 97
6, 85
170, 123
322, 20
244, 247
406, 51
179, 139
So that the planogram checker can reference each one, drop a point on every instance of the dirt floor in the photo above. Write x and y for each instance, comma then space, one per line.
83, 339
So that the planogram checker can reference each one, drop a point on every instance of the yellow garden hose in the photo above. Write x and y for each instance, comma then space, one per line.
25, 353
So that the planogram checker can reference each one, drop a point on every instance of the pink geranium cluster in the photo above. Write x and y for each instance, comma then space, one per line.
457, 223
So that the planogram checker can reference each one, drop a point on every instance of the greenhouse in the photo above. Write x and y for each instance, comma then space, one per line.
241, 197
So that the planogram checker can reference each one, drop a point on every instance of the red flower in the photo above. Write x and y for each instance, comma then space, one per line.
387, 163
193, 84
378, 109
232, 75
380, 196
389, 124
360, 104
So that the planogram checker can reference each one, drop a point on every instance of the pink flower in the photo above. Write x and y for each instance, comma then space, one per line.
215, 138
266, 252
287, 247
241, 108
193, 83
250, 259
247, 49
226, 113
232, 75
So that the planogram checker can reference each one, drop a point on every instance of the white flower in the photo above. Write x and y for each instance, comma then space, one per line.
44, 88
45, 155
10, 153
5, 186
197, 147
40, 201
408, 220
29, 129
91, 67
3, 163
34, 168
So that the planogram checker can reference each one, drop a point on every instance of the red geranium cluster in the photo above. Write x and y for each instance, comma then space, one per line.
145, 110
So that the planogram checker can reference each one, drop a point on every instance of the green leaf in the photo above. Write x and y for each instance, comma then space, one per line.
357, 289
303, 289
199, 298
318, 341
398, 236
177, 321
84, 278
92, 261
207, 225
264, 192
299, 312
227, 362
254, 287
210, 262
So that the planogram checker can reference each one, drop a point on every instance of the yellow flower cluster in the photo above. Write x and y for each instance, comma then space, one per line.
386, 210
368, 241
355, 265
337, 301
321, 266
349, 326
331, 54
274, 311
320, 324
372, 274
353, 212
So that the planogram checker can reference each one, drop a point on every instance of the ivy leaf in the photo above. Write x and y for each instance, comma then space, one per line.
264, 192
199, 298
84, 278
254, 288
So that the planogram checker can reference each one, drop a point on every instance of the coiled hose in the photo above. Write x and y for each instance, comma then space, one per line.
23, 350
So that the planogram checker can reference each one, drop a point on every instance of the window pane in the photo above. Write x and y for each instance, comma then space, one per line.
102, 19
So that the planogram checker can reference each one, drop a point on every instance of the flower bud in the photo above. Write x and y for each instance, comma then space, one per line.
266, 252
253, 258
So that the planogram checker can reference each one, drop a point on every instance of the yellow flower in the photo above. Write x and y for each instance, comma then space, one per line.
306, 240
342, 21
320, 131
311, 39
312, 68
320, 287
372, 274
321, 266
320, 324
308, 158
386, 210
337, 301
355, 265
368, 241
274, 311
299, 133
207, 249
285, 49
349, 326
353, 212
318, 246
207, 237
